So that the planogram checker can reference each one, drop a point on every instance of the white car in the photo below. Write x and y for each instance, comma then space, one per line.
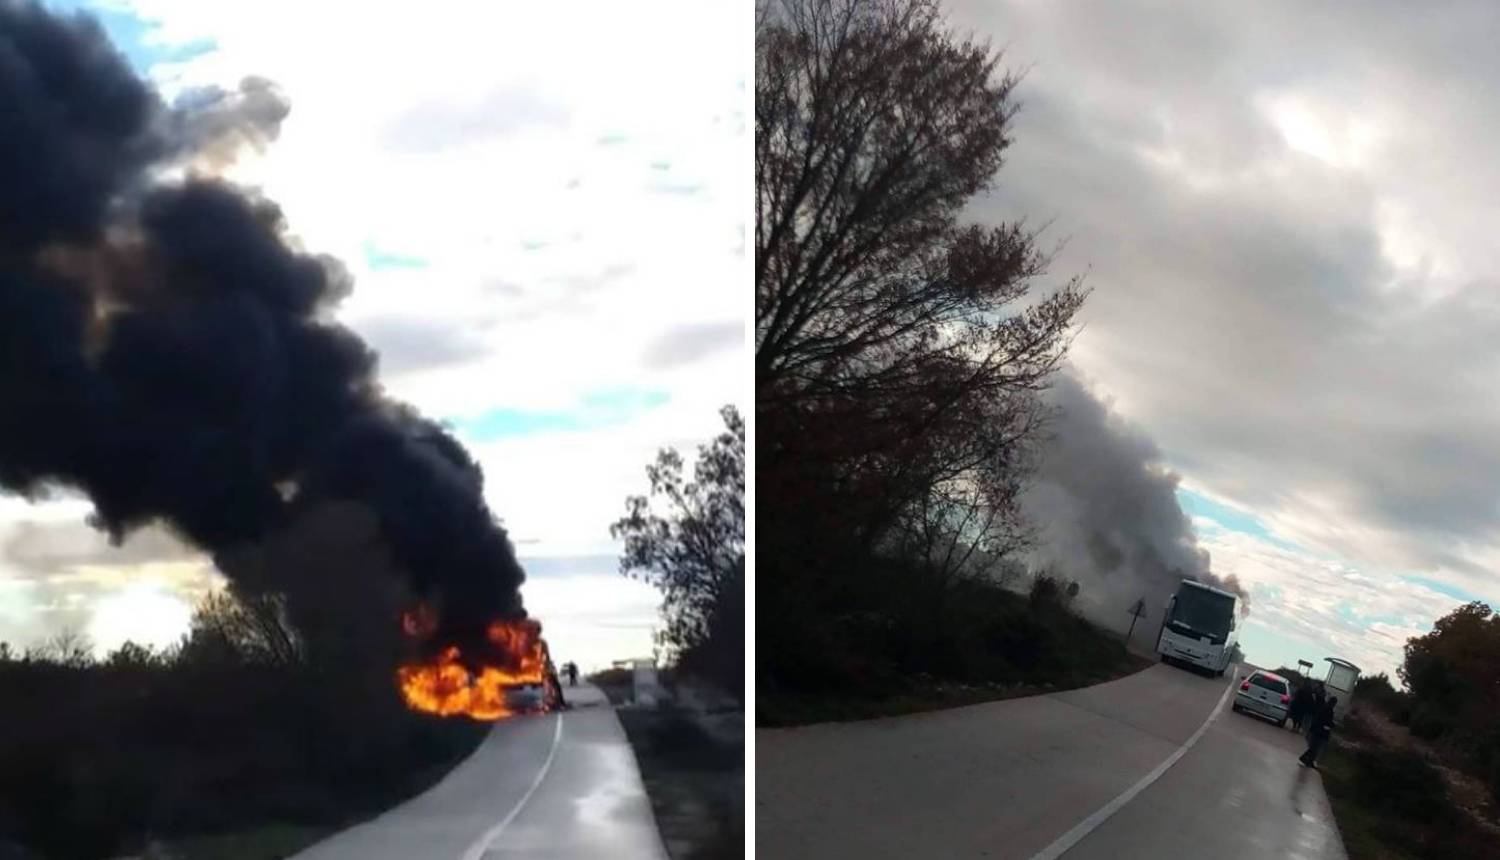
1264, 694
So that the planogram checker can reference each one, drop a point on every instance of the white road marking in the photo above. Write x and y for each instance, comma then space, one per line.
1087, 826
485, 842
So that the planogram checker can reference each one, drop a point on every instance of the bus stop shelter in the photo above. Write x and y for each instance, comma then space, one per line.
1342, 676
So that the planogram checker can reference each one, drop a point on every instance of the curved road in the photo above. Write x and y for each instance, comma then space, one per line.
562, 786
1057, 775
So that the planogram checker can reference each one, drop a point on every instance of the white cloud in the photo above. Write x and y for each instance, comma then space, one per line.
141, 612
1332, 133
563, 490
594, 619
1361, 614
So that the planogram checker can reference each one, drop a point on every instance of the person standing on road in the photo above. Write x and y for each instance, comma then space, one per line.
1314, 707
550, 682
571, 669
1319, 732
1301, 704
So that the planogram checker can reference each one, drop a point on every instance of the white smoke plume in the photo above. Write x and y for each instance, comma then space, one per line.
1106, 510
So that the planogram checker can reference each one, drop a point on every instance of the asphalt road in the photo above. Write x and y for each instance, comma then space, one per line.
1048, 776
554, 787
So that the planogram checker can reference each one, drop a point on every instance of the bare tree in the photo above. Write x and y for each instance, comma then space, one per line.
898, 350
131, 655
69, 646
247, 628
693, 550
873, 128
966, 525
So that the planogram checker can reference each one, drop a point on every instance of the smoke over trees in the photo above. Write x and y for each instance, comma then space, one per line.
917, 447
1106, 510
167, 349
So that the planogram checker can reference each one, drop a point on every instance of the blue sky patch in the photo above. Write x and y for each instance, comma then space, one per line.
1196, 505
135, 37
1272, 648
380, 259
628, 400
596, 410
1452, 591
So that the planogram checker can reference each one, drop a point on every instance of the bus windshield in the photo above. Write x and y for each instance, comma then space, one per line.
1200, 612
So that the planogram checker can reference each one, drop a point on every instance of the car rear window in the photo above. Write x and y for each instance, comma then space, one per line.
1274, 684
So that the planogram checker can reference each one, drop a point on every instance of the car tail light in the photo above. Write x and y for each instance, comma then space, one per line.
1245, 686
1285, 699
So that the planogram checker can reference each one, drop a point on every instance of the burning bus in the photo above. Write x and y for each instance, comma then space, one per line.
509, 673
1198, 627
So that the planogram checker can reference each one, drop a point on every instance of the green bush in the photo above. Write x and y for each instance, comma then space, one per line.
909, 630
1401, 714
1400, 783
1376, 691
1429, 723
93, 758
1488, 757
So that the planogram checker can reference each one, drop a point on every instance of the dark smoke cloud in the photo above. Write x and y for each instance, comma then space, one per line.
1108, 511
164, 348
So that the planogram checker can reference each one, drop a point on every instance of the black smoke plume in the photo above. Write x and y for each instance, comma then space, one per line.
167, 350
1108, 512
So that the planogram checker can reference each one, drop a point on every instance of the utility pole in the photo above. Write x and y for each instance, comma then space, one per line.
1137, 610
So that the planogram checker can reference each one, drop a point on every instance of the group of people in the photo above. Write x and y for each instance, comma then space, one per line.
1311, 713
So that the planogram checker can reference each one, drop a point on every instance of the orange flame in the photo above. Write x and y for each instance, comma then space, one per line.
445, 686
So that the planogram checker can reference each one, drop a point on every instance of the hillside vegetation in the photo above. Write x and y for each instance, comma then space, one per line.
973, 641
1415, 772
210, 749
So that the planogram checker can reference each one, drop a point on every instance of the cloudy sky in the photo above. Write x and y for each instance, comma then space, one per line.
543, 205
1286, 211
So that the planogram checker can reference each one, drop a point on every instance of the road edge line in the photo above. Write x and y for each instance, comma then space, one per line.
1083, 828
487, 840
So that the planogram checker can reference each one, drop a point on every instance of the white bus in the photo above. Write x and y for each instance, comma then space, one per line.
1198, 627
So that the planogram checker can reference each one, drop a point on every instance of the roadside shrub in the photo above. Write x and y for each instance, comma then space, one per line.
1376, 691
1401, 713
1429, 723
1050, 590
1488, 756
94, 758
1370, 686
1045, 590
1400, 783
1356, 726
